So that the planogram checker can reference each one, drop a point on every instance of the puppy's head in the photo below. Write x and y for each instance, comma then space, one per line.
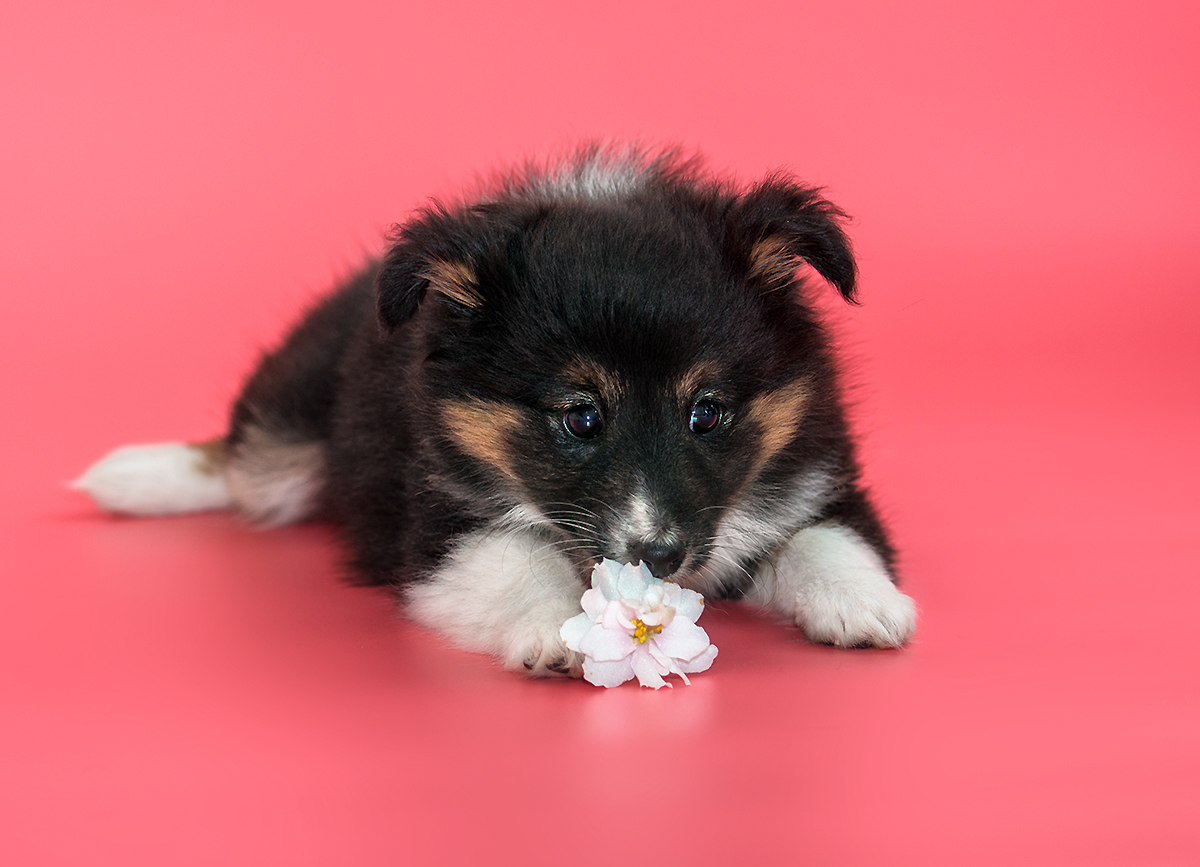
624, 365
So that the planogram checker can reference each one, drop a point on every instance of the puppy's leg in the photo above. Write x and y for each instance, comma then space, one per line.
506, 594
837, 589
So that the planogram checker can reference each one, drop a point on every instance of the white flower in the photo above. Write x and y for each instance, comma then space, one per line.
636, 625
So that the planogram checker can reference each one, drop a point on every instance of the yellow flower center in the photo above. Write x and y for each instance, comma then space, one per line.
642, 632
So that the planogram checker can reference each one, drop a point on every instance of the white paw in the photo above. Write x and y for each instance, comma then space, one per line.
505, 594
835, 587
540, 652
856, 613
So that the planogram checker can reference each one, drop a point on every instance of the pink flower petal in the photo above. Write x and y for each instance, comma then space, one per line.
689, 605
619, 616
653, 596
701, 662
632, 581
607, 674
667, 665
604, 579
593, 603
682, 640
606, 645
647, 668
573, 630
656, 616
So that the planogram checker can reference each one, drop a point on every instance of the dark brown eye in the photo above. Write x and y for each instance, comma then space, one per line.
583, 421
706, 415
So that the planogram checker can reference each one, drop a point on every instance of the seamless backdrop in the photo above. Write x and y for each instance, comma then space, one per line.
177, 180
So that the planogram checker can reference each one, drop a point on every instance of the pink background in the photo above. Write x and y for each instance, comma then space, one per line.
180, 178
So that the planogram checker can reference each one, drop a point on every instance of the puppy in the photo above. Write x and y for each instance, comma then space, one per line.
611, 356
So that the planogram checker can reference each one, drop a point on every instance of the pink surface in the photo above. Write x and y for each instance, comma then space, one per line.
178, 182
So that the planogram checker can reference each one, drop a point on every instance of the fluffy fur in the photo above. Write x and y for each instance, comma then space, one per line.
609, 356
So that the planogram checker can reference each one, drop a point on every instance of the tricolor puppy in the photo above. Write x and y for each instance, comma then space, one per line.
610, 356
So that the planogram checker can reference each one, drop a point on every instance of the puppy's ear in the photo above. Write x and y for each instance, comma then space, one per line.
431, 254
780, 221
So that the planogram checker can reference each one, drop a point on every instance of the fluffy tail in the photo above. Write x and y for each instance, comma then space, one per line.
271, 465
160, 479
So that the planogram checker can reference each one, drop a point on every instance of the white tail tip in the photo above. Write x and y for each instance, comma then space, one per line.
160, 479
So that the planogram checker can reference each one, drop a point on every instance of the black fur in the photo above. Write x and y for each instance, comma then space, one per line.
645, 286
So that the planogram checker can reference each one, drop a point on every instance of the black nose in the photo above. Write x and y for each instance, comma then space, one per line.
662, 558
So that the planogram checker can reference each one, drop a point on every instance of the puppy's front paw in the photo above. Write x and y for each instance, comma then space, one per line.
835, 587
541, 653
856, 613
502, 594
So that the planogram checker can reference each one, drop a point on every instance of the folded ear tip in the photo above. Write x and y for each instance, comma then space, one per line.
847, 282
791, 220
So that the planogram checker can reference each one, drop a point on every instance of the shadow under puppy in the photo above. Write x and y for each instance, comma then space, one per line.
610, 356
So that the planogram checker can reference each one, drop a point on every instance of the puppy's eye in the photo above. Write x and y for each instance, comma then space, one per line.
583, 421
706, 415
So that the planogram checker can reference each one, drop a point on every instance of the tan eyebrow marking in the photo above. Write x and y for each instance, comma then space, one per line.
586, 372
691, 382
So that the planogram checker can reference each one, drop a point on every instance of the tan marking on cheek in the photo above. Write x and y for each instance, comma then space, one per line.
483, 429
773, 262
455, 280
778, 415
